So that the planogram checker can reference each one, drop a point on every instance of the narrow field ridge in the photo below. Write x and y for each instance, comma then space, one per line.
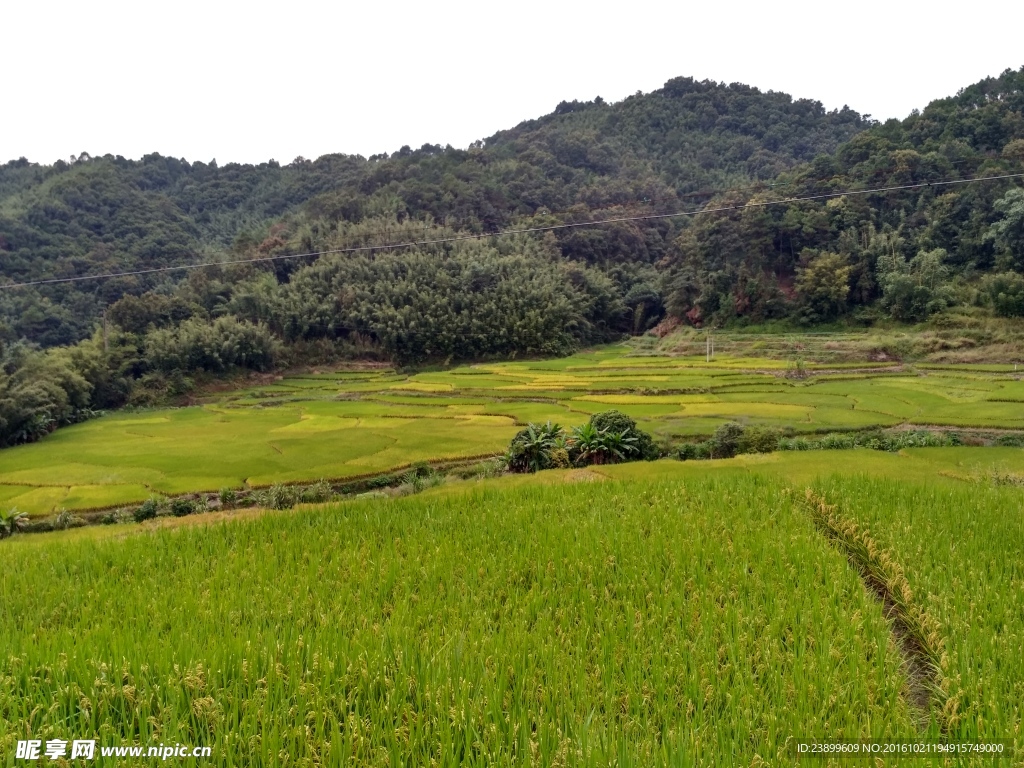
916, 633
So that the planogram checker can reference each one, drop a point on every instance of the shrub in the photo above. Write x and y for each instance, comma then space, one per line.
796, 369
731, 439
124, 516
725, 442
372, 495
11, 522
795, 444
182, 507
316, 493
146, 511
560, 458
278, 497
587, 445
688, 451
620, 446
759, 440
617, 422
608, 437
65, 520
487, 468
381, 481
590, 445
837, 442
228, 495
530, 449
875, 440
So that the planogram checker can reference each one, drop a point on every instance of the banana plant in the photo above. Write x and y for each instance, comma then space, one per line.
588, 444
618, 446
11, 522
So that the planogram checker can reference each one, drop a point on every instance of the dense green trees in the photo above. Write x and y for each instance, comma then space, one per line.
473, 300
652, 153
38, 393
824, 285
1008, 231
461, 301
916, 289
905, 247
199, 345
1005, 291
104, 214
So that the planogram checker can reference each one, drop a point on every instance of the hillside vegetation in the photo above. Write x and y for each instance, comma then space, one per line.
103, 214
907, 254
929, 253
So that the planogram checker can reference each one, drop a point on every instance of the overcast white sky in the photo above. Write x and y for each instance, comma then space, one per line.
251, 81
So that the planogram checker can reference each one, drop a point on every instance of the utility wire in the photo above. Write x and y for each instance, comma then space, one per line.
521, 231
760, 186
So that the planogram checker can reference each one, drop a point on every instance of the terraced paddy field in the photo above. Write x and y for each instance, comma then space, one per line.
349, 424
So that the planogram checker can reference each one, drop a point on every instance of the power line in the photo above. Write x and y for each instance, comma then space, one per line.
521, 231
760, 186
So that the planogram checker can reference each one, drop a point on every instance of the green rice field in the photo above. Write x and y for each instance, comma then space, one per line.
961, 549
351, 424
658, 613
641, 614
643, 623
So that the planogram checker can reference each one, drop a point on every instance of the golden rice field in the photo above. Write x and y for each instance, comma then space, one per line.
347, 424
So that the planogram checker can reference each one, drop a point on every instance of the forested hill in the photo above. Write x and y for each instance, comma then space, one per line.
108, 214
907, 254
762, 250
